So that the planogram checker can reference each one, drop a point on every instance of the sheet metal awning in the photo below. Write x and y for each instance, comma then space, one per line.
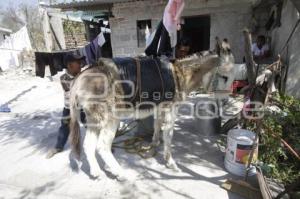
85, 4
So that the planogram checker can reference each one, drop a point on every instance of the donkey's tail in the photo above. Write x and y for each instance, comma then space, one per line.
74, 125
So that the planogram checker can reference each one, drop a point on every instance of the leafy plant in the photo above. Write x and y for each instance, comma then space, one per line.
280, 163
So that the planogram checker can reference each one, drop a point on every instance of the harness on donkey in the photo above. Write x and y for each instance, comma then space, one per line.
151, 80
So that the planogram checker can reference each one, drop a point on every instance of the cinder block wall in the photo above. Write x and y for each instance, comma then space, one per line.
228, 19
124, 27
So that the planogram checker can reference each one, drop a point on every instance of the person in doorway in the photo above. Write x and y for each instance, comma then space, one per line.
183, 48
74, 63
260, 49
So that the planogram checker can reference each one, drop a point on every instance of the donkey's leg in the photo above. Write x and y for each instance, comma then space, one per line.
156, 135
104, 145
90, 144
167, 129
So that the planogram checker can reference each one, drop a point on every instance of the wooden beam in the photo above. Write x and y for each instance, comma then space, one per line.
249, 58
264, 188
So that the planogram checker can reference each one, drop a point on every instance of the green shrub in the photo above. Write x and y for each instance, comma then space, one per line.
278, 162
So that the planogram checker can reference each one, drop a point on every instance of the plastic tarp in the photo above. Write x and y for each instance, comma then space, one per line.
11, 48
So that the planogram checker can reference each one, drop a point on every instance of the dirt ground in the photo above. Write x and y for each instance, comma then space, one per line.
30, 130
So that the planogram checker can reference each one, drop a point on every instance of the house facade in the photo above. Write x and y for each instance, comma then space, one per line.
225, 19
205, 19
132, 21
4, 33
284, 39
286, 42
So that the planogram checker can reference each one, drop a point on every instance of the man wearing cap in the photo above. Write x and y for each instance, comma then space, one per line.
73, 63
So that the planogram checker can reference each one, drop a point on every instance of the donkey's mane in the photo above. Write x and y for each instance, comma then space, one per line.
196, 58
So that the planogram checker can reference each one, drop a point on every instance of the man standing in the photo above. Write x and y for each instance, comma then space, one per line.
260, 49
73, 63
183, 48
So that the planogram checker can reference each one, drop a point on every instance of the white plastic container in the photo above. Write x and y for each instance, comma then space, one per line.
206, 115
240, 72
239, 146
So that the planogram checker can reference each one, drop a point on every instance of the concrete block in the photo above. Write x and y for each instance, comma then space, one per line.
125, 37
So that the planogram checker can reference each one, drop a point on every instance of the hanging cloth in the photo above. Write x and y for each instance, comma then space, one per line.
171, 19
93, 49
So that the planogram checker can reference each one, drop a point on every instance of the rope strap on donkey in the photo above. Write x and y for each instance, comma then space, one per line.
136, 144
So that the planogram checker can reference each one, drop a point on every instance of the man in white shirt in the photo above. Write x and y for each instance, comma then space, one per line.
260, 49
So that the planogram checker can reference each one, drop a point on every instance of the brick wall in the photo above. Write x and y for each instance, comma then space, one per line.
75, 35
228, 19
76, 40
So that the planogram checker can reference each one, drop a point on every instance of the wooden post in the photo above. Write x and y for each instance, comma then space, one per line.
252, 81
249, 58
47, 31
57, 30
254, 147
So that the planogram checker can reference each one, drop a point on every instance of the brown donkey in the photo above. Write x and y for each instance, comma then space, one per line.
99, 91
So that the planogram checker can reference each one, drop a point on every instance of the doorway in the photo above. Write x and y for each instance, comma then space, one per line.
197, 30
94, 28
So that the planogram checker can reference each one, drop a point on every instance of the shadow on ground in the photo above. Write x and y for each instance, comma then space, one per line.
191, 148
39, 129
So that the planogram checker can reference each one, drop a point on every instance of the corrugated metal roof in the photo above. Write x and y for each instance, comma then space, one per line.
77, 1
83, 4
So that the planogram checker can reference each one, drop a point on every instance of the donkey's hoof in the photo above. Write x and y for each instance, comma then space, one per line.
95, 173
122, 178
174, 167
155, 143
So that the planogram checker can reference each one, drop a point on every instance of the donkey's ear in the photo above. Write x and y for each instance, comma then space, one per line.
218, 46
225, 46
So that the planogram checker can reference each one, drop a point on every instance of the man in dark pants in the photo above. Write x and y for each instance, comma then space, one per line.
73, 63
161, 44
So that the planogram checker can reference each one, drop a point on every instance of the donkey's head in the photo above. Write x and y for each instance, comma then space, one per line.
225, 73
210, 70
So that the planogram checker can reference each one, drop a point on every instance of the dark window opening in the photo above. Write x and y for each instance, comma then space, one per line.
144, 29
197, 30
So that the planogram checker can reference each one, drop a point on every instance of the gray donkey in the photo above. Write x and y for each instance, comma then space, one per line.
99, 91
